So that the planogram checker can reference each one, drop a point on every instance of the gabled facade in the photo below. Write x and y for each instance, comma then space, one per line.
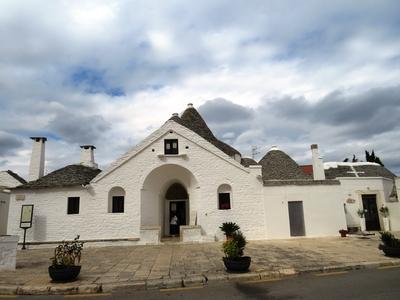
181, 172
8, 179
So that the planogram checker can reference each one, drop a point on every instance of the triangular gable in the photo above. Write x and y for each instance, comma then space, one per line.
159, 133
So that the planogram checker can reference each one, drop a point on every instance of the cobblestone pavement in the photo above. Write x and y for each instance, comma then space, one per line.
141, 264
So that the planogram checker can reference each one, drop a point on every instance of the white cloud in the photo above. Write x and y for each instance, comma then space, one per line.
162, 56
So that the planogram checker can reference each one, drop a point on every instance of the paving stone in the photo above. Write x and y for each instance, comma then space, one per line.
194, 281
8, 290
33, 290
89, 288
161, 265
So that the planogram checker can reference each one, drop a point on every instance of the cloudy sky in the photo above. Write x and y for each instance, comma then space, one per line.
262, 73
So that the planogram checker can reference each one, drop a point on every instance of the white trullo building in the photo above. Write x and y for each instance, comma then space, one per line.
183, 170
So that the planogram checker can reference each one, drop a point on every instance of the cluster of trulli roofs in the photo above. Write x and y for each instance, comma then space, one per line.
183, 170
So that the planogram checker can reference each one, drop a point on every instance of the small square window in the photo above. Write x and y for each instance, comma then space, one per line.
224, 201
118, 204
171, 147
73, 205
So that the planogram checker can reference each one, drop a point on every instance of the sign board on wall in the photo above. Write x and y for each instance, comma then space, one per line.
26, 216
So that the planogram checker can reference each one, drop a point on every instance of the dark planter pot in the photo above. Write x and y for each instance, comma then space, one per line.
343, 233
390, 251
64, 274
239, 264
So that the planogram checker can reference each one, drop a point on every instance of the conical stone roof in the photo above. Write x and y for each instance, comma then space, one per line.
192, 120
277, 165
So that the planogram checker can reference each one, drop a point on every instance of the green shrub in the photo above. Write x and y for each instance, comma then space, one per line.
389, 239
360, 213
67, 253
229, 228
384, 210
234, 247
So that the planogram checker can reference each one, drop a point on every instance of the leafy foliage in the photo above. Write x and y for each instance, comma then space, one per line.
373, 158
384, 210
229, 228
360, 213
234, 247
67, 253
389, 240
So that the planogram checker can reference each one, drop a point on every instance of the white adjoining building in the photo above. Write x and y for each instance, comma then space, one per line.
182, 169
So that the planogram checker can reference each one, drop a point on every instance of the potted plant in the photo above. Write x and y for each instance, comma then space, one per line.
65, 263
343, 232
384, 210
390, 245
361, 214
228, 228
233, 248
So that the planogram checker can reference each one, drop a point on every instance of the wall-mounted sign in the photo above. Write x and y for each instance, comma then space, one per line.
350, 200
20, 197
26, 216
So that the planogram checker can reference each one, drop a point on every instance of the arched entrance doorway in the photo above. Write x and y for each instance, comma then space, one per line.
176, 208
166, 189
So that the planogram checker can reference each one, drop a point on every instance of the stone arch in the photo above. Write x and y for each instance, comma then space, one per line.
154, 191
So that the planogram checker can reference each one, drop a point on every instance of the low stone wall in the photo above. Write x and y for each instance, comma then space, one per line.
150, 235
8, 252
191, 233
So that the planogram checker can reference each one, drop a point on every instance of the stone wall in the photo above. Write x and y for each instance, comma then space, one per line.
8, 252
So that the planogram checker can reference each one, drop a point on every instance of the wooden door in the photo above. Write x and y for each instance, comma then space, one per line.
371, 212
296, 218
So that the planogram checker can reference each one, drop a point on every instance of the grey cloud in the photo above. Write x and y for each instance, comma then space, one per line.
226, 118
221, 110
341, 124
78, 128
9, 143
362, 115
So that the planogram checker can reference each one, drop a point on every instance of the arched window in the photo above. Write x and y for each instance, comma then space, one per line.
116, 200
224, 196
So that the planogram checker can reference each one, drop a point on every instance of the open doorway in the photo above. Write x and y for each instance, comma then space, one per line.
176, 209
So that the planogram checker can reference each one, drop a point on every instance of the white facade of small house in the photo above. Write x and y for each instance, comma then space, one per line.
182, 170
8, 180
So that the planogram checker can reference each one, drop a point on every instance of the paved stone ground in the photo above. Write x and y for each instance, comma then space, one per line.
144, 264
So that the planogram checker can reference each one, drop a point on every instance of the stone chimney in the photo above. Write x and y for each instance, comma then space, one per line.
87, 156
36, 166
317, 163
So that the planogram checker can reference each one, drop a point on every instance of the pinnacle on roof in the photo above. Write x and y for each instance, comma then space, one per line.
192, 120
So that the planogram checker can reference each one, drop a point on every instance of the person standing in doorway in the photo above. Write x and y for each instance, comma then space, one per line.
174, 224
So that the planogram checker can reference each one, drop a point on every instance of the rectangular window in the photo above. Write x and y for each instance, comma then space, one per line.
170, 146
224, 200
73, 205
118, 204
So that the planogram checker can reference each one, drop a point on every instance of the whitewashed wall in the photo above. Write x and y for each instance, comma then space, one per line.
6, 181
354, 188
4, 209
201, 171
322, 205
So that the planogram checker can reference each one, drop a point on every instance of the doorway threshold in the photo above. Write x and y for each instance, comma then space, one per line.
170, 240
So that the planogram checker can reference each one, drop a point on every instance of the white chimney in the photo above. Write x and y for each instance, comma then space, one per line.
317, 163
87, 156
36, 166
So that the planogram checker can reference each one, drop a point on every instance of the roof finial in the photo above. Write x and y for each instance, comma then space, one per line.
274, 147
190, 105
175, 115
